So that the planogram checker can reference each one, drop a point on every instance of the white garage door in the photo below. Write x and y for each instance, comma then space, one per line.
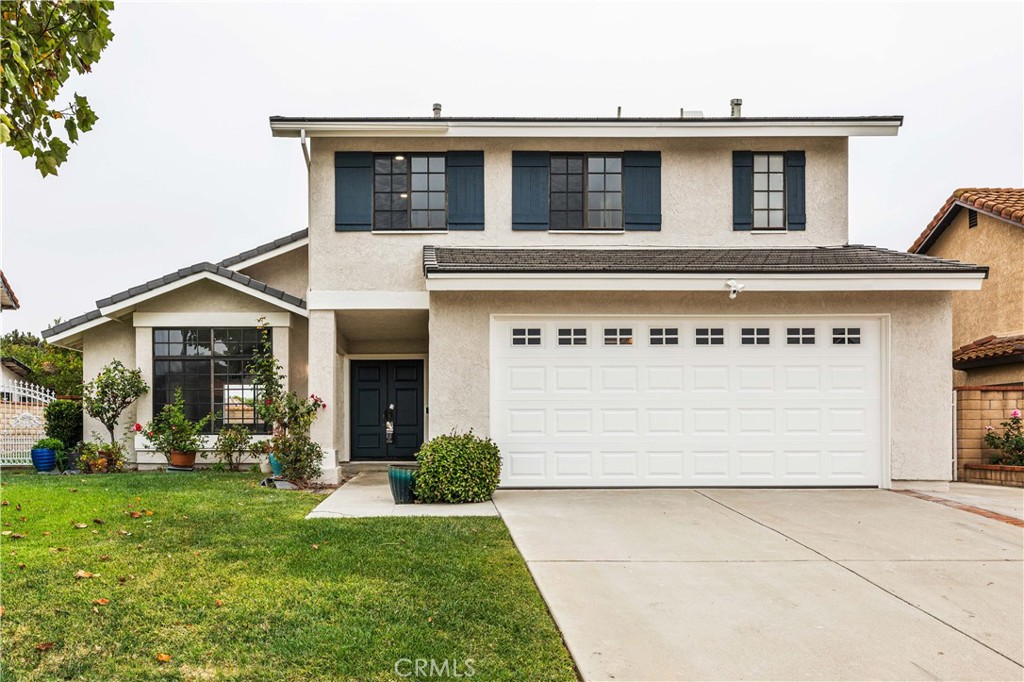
679, 401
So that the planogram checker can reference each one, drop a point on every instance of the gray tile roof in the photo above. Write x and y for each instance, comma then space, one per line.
196, 269
853, 258
264, 248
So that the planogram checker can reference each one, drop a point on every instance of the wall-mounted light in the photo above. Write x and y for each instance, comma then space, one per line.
734, 288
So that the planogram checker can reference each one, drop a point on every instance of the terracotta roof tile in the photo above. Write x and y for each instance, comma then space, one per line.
989, 347
1002, 202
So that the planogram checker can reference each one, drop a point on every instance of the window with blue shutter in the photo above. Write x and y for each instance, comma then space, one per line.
465, 190
530, 190
769, 191
641, 182
353, 191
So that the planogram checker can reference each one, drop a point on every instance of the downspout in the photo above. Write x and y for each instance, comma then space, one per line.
955, 443
304, 141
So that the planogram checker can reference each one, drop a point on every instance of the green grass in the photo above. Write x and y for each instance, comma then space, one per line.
376, 590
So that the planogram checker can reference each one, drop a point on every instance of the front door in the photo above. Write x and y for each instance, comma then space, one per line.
383, 392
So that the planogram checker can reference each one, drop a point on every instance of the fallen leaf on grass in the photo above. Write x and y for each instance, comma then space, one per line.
4, 503
95, 532
123, 532
98, 522
23, 518
95, 610
74, 490
185, 517
2, 611
6, 532
149, 513
18, 506
105, 557
102, 601
43, 646
315, 546
163, 658
135, 514
46, 532
86, 574
80, 525
14, 536
220, 603
22, 566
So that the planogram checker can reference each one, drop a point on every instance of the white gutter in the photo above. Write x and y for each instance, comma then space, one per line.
957, 281
590, 129
304, 141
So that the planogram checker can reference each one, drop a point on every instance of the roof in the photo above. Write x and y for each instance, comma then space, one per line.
583, 119
198, 268
264, 249
583, 126
990, 350
854, 258
8, 301
1006, 203
15, 365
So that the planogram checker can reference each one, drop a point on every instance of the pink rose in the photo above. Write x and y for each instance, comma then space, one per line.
990, 428
137, 427
1015, 414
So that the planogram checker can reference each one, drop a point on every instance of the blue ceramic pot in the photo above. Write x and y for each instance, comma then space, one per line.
275, 465
44, 459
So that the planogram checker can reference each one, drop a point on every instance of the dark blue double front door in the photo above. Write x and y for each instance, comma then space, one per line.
386, 393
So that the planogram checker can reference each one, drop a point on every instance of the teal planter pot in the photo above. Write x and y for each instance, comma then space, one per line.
44, 459
275, 465
400, 478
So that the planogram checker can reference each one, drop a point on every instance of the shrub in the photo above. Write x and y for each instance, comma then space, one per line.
101, 458
171, 431
232, 442
111, 392
1010, 442
289, 416
49, 444
64, 422
457, 468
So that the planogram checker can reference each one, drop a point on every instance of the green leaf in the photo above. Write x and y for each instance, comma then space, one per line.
71, 128
5, 133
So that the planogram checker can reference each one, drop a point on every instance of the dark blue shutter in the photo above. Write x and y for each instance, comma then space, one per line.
641, 190
742, 190
465, 190
530, 194
353, 191
796, 213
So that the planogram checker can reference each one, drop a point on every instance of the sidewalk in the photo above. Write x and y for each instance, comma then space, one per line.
368, 494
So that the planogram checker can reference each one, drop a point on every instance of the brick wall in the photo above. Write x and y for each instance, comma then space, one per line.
976, 408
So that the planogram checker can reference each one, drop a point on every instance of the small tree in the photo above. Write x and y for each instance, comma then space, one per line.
111, 392
1010, 442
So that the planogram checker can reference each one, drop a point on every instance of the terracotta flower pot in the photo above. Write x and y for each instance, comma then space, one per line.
183, 460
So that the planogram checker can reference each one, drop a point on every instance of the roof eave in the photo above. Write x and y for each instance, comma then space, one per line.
611, 128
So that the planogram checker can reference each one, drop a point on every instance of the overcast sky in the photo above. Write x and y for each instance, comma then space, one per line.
181, 167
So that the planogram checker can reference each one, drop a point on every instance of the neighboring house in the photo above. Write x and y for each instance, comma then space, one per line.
985, 226
8, 301
13, 369
617, 302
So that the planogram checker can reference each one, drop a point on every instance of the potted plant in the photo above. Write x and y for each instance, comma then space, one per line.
175, 435
101, 458
44, 454
401, 479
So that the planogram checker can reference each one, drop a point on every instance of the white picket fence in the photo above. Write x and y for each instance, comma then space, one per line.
21, 420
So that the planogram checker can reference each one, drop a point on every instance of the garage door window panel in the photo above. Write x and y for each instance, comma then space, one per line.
800, 336
618, 336
572, 336
755, 336
526, 336
846, 336
664, 336
709, 336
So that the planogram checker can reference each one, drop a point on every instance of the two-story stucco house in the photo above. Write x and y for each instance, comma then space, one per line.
616, 302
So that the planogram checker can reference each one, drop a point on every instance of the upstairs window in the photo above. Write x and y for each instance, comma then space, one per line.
586, 192
409, 192
769, 192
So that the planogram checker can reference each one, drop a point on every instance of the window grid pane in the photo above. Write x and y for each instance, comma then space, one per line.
410, 192
714, 336
586, 192
210, 366
664, 336
576, 336
769, 192
846, 336
755, 336
800, 336
526, 337
618, 336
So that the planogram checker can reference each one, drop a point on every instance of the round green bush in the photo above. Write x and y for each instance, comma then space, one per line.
457, 468
64, 422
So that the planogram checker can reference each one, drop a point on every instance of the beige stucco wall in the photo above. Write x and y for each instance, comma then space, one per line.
998, 308
696, 204
287, 272
100, 345
205, 296
920, 388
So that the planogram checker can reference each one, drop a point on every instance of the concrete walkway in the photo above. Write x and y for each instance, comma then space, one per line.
1003, 500
368, 494
774, 584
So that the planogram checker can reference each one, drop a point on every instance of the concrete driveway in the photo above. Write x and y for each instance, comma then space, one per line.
774, 584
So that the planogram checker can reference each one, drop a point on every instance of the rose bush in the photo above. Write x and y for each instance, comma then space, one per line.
1010, 442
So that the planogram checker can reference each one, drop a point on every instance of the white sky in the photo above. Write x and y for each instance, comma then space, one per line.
181, 167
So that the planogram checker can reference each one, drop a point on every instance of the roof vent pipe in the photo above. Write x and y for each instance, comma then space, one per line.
735, 106
437, 110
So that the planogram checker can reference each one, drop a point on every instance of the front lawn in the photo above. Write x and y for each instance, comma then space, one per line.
229, 581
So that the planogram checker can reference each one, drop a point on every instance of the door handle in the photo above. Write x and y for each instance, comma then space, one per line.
389, 424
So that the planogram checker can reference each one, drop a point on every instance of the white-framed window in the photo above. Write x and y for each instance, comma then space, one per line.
769, 191
709, 336
800, 336
846, 336
572, 336
526, 336
618, 336
664, 336
755, 336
